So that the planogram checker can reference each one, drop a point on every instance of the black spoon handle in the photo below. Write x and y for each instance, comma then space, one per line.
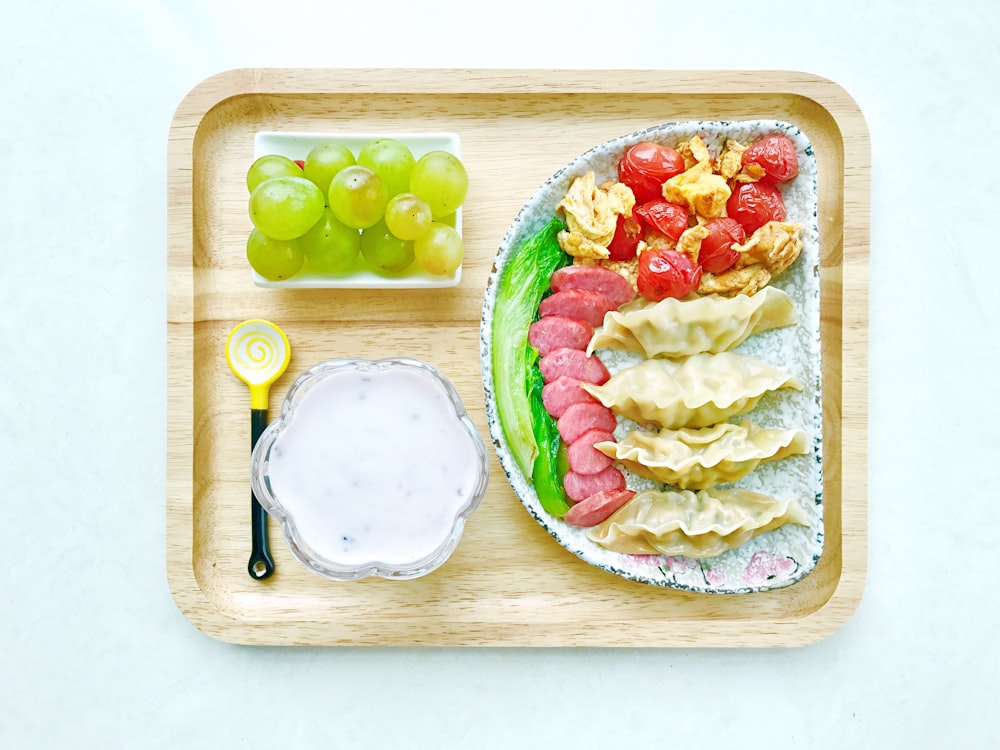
261, 565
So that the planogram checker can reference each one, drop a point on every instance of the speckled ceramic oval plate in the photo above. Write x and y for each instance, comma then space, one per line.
775, 558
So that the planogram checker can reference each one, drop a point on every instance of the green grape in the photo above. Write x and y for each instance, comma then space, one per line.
440, 250
275, 260
390, 160
324, 161
451, 220
331, 246
384, 252
357, 197
440, 179
271, 165
284, 208
407, 216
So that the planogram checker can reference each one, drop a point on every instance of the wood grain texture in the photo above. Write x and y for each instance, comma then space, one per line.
507, 583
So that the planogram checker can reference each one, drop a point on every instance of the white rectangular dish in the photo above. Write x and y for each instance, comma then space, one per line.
296, 146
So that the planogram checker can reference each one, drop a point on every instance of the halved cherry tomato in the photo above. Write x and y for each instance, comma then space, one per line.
628, 232
667, 218
666, 273
645, 166
753, 204
775, 153
716, 254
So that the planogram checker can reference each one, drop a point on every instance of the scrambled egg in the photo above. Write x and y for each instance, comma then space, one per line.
591, 214
689, 243
731, 164
775, 246
750, 173
694, 152
748, 281
700, 189
731, 159
575, 244
768, 252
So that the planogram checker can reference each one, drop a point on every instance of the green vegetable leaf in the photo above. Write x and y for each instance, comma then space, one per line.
547, 473
522, 284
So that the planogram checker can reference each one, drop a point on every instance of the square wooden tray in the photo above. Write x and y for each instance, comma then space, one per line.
508, 583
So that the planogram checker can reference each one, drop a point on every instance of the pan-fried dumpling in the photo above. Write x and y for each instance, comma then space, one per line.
702, 390
695, 459
702, 524
679, 328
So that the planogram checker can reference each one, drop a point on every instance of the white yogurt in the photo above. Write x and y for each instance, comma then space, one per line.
374, 466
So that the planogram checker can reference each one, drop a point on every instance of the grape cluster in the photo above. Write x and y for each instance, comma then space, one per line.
384, 204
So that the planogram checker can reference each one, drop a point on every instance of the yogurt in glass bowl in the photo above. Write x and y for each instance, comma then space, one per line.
372, 468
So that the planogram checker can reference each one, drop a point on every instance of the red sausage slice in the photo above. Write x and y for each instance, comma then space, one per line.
579, 418
593, 279
581, 486
562, 393
574, 363
579, 304
556, 332
597, 508
584, 458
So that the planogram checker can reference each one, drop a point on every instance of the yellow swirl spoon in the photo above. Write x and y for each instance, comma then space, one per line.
258, 352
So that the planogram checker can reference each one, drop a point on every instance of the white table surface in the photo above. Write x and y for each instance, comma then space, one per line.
93, 651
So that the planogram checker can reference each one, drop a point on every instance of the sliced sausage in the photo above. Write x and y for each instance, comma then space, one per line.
562, 393
579, 304
593, 279
574, 363
597, 508
581, 486
579, 418
583, 457
556, 332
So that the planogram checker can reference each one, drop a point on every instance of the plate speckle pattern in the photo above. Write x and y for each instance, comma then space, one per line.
776, 558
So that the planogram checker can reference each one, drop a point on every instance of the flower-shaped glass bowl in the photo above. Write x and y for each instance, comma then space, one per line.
372, 468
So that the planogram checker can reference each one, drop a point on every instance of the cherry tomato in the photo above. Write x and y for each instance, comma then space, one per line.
716, 254
628, 232
645, 166
775, 154
667, 218
301, 163
666, 273
644, 187
753, 204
